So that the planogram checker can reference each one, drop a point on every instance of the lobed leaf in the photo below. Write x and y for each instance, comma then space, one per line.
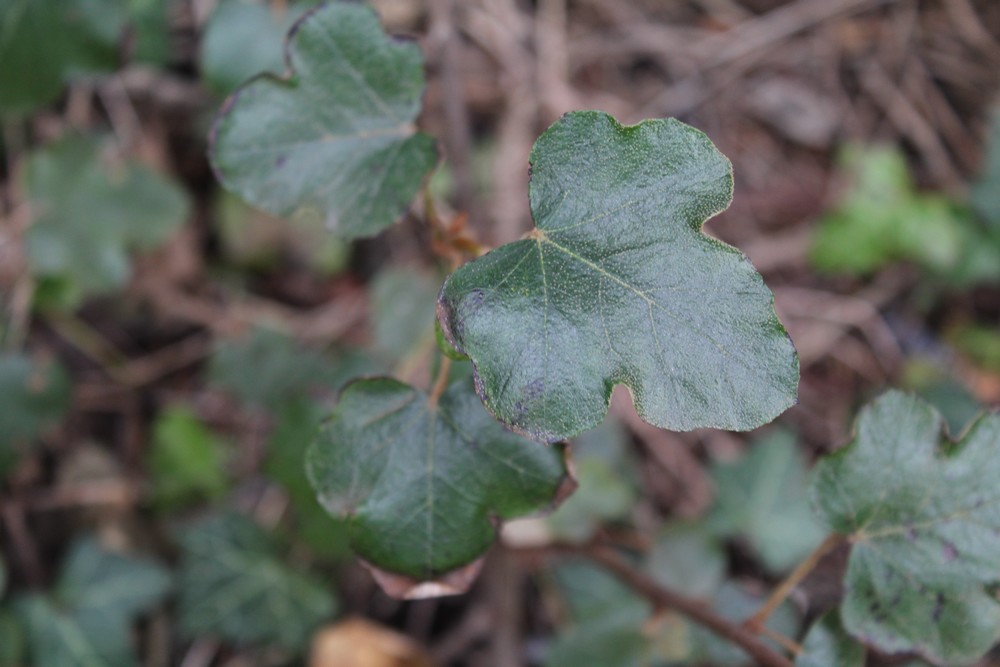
86, 622
923, 516
617, 285
335, 140
423, 486
90, 212
233, 584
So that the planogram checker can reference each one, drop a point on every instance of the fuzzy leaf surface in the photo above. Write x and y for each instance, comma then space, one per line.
423, 486
234, 584
336, 140
923, 515
617, 285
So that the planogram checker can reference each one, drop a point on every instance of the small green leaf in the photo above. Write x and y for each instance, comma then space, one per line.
86, 622
827, 644
90, 211
617, 285
187, 460
923, 516
233, 584
882, 219
336, 140
34, 395
79, 37
763, 499
423, 486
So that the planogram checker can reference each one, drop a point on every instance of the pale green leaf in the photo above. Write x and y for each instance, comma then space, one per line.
234, 584
336, 140
923, 517
403, 301
90, 209
187, 461
763, 499
617, 285
688, 559
423, 486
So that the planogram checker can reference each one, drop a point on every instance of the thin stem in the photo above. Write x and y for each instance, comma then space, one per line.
796, 577
441, 381
695, 610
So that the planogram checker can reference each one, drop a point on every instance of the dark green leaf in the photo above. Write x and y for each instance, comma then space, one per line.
335, 141
617, 285
34, 394
828, 645
923, 516
233, 584
86, 622
43, 43
423, 486
91, 210
763, 499
187, 460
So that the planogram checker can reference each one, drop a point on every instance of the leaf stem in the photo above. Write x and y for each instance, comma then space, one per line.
756, 622
663, 597
440, 381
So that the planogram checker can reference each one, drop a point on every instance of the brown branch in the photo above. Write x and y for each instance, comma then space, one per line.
662, 597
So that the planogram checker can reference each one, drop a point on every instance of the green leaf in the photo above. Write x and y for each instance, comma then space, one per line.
763, 499
923, 516
403, 302
882, 219
235, 585
617, 285
605, 620
34, 394
79, 37
187, 461
265, 368
243, 39
336, 140
827, 644
87, 620
91, 210
423, 486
